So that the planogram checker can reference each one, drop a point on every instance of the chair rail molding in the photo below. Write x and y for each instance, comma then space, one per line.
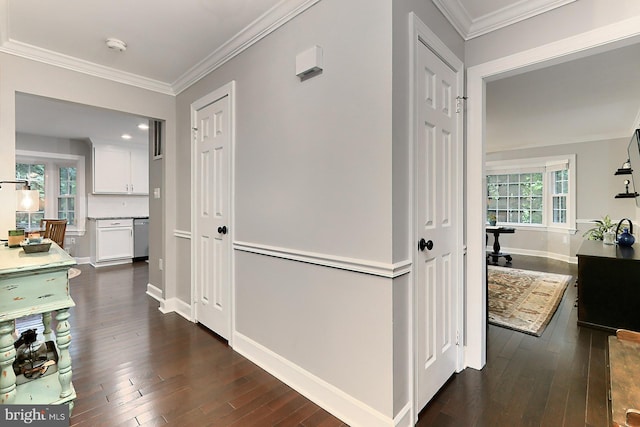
376, 268
182, 234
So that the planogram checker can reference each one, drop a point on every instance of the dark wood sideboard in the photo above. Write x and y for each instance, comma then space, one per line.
608, 286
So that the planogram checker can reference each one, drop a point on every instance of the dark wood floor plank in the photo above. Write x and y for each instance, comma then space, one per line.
296, 418
134, 366
597, 408
557, 379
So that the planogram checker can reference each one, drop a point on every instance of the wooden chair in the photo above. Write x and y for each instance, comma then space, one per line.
54, 229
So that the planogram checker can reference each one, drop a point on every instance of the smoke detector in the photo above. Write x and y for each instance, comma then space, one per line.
115, 44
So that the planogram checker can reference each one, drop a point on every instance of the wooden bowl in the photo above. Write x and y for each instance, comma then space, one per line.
32, 248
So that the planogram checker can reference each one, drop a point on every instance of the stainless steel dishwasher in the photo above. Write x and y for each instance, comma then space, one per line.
141, 238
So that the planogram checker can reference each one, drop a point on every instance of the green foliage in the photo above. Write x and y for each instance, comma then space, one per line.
597, 232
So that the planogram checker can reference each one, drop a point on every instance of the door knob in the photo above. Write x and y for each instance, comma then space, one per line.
422, 244
222, 230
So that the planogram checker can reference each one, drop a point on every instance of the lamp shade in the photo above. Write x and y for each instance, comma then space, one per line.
28, 200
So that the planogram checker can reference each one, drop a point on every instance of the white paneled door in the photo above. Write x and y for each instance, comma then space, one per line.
213, 202
437, 175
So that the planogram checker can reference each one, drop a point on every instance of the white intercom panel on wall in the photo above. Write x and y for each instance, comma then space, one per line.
309, 61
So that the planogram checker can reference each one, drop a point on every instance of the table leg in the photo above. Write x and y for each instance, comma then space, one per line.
63, 339
496, 243
46, 322
7, 357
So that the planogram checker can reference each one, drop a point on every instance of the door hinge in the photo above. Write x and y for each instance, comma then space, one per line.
459, 103
457, 337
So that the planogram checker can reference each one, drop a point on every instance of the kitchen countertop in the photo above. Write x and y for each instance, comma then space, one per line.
94, 218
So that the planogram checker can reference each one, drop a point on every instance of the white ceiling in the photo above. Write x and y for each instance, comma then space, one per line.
589, 99
172, 44
59, 119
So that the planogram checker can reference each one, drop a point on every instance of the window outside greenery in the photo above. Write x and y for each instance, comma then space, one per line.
35, 174
516, 198
64, 196
559, 196
67, 195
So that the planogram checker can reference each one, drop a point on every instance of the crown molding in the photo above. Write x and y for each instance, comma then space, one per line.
470, 28
264, 25
549, 143
456, 14
49, 57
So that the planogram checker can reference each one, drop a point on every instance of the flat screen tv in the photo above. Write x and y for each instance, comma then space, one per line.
633, 151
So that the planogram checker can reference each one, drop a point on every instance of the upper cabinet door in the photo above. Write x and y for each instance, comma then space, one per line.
120, 170
111, 170
139, 172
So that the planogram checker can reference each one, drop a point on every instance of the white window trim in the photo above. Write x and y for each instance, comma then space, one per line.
546, 165
49, 159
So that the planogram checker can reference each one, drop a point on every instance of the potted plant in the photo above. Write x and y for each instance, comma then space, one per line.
603, 226
492, 218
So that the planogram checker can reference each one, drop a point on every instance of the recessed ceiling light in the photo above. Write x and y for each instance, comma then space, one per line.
126, 136
143, 126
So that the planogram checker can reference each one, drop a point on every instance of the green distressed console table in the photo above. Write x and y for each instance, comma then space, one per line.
35, 284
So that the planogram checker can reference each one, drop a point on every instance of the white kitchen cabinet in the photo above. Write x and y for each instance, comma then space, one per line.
120, 170
139, 172
112, 242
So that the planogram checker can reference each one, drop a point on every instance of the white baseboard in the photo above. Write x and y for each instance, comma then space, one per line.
154, 292
110, 263
327, 396
178, 306
170, 305
403, 419
83, 260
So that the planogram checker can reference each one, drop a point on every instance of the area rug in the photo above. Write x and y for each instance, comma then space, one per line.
74, 272
524, 300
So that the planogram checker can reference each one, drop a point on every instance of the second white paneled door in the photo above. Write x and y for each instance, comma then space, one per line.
437, 222
213, 205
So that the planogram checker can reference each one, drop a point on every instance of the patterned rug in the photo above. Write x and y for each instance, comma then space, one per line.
74, 272
524, 300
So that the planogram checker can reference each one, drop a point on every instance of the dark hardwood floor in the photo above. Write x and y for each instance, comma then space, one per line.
558, 379
133, 366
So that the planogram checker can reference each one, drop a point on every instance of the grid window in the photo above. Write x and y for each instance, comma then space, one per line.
560, 181
536, 192
67, 194
516, 198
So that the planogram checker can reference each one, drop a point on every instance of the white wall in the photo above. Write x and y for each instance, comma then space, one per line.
22, 75
321, 167
313, 174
